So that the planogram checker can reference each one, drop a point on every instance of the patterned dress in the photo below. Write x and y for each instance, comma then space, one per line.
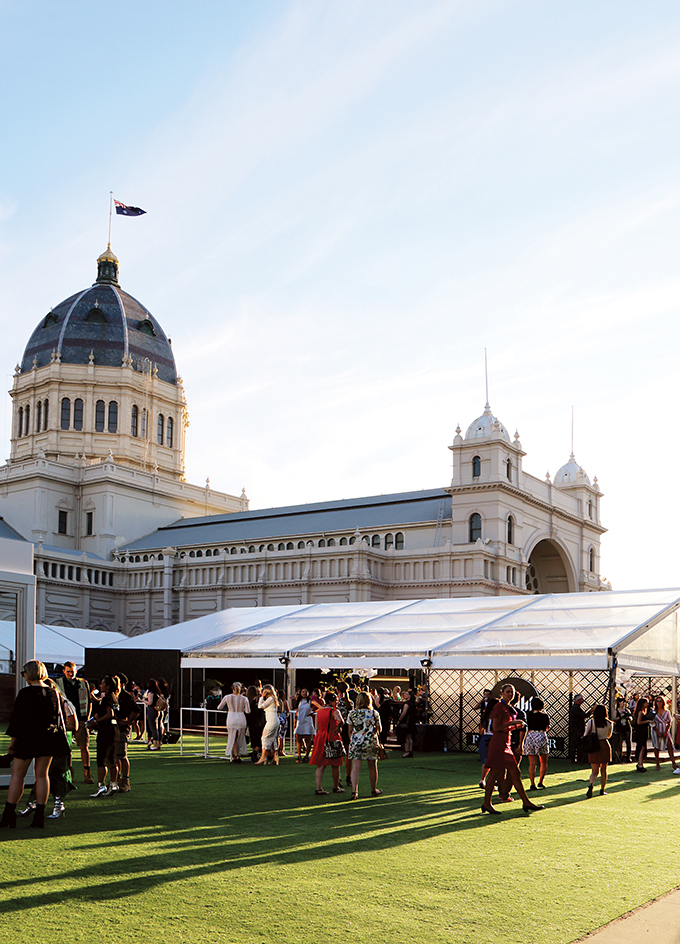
364, 740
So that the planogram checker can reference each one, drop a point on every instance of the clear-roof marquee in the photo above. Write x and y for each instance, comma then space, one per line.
638, 628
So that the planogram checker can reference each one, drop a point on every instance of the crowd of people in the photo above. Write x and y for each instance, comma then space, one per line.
51, 717
338, 726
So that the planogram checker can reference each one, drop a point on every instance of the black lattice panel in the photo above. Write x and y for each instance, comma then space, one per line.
454, 700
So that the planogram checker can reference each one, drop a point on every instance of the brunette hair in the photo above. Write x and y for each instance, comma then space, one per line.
364, 700
491, 704
600, 716
330, 697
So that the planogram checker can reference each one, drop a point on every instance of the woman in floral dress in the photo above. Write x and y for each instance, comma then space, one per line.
364, 730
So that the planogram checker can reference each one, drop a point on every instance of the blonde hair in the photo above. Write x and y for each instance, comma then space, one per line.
236, 688
364, 700
35, 671
272, 694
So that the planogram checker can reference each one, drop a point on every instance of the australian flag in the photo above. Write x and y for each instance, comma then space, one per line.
123, 210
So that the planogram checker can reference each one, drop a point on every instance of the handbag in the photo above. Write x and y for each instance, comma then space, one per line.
590, 742
382, 753
161, 703
333, 749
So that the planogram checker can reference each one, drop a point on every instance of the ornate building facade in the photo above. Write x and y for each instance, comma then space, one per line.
122, 542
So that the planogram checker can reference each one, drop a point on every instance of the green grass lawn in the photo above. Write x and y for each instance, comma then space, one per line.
206, 851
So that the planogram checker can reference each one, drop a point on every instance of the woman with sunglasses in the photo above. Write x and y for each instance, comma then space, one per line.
36, 730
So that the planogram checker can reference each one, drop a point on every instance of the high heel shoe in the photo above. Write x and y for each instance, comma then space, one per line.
589, 791
533, 807
30, 806
38, 817
355, 795
9, 816
486, 809
59, 810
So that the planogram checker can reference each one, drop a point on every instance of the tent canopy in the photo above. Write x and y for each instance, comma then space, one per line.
638, 628
57, 644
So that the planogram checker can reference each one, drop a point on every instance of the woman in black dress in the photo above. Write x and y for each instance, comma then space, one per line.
36, 733
536, 742
255, 721
641, 732
406, 726
104, 716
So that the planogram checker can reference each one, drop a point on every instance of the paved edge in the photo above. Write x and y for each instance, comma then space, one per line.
666, 904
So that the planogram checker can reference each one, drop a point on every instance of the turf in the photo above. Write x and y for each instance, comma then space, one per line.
202, 850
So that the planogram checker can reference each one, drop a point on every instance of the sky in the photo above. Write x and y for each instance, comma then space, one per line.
347, 203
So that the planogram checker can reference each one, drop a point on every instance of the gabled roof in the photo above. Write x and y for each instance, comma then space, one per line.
8, 532
378, 511
560, 631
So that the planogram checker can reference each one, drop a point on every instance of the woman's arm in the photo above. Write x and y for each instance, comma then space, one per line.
265, 702
221, 705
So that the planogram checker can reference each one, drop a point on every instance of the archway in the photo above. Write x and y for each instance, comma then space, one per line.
548, 571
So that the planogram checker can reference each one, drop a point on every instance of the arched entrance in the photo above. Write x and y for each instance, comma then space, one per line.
547, 570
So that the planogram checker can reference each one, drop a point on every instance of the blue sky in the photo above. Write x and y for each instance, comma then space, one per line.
347, 202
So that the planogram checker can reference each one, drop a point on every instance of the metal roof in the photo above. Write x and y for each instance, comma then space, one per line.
378, 511
8, 532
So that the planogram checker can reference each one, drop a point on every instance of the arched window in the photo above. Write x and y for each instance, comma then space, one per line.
511, 530
46, 413
352, 540
281, 547
113, 417
476, 467
66, 413
144, 423
270, 547
38, 416
134, 425
375, 540
399, 541
168, 432
233, 551
322, 543
99, 416
199, 553
343, 542
389, 541
591, 560
161, 429
366, 540
20, 424
261, 548
78, 414
508, 469
251, 549
331, 542
590, 509
475, 527
27, 420
290, 546
301, 545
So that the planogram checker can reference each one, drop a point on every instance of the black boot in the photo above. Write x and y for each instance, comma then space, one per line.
39, 816
589, 791
9, 816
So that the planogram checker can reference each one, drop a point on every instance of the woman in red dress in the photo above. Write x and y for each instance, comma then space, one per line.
328, 727
501, 758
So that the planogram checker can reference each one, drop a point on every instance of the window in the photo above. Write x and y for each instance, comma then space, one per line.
343, 542
89, 522
161, 429
100, 416
95, 316
301, 545
27, 420
46, 413
134, 425
475, 527
590, 509
38, 416
270, 547
251, 549
113, 417
508, 469
399, 541
281, 547
511, 530
168, 433
331, 542
290, 546
62, 524
233, 551
389, 541
20, 425
66, 413
144, 423
78, 414
146, 327
199, 553
591, 560
375, 540
322, 543
208, 553
352, 540
476, 467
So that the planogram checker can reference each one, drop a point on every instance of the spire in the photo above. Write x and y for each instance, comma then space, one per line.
107, 268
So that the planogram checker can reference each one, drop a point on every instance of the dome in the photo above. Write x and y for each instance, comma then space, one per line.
487, 426
105, 320
571, 473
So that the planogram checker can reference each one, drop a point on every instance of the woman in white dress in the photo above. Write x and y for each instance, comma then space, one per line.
270, 736
238, 707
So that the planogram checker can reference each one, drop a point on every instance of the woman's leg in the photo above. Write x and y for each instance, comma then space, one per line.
671, 753
408, 744
516, 779
373, 774
493, 776
319, 776
356, 767
543, 761
532, 769
603, 777
16, 784
42, 779
335, 773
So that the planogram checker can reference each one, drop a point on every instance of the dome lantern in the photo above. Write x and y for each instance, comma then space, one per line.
107, 268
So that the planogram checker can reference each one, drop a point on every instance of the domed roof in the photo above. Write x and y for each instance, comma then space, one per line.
487, 426
571, 473
105, 320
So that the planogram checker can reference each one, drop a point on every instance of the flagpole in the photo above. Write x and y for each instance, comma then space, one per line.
110, 214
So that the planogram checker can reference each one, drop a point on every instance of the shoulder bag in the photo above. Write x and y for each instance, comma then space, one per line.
590, 742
